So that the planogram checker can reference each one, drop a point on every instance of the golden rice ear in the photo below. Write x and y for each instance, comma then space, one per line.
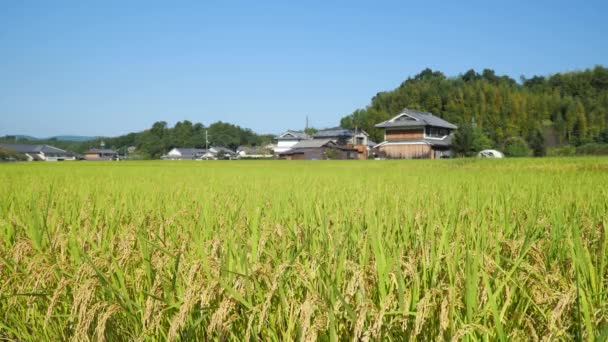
402, 250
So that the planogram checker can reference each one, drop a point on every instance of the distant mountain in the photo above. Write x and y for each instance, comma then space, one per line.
77, 138
73, 138
21, 137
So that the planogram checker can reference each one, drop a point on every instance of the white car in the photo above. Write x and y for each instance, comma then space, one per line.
490, 154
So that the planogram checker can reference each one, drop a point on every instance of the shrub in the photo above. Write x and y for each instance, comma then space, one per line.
564, 151
516, 147
8, 155
469, 140
594, 149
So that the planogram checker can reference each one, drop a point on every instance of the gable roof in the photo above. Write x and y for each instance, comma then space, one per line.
218, 149
189, 150
100, 151
253, 150
185, 153
291, 135
338, 132
27, 148
414, 118
316, 143
334, 132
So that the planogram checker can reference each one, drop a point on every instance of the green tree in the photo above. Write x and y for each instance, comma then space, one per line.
574, 103
468, 140
516, 147
536, 142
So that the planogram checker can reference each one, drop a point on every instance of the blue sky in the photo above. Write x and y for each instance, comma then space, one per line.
114, 67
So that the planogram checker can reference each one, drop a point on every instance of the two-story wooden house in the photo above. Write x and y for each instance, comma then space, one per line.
415, 134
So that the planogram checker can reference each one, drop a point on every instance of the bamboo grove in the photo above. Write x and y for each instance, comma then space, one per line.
568, 108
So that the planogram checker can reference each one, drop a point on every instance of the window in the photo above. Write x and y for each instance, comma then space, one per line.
435, 132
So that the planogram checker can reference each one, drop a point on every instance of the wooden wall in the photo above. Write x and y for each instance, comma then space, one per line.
402, 134
407, 151
361, 149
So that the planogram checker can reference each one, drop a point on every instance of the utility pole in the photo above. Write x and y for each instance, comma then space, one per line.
306, 128
206, 140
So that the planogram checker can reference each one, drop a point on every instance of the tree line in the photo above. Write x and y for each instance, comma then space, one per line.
496, 111
568, 110
160, 138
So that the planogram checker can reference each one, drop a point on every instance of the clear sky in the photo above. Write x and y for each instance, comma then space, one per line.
69, 67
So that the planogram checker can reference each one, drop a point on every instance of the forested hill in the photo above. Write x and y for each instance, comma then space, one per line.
568, 108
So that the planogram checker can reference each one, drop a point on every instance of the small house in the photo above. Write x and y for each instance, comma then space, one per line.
100, 154
318, 149
288, 139
254, 152
221, 152
357, 139
183, 153
415, 134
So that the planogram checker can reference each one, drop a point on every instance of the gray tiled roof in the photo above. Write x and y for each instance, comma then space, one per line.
221, 149
420, 119
186, 153
190, 151
253, 149
312, 143
27, 148
294, 135
101, 151
333, 132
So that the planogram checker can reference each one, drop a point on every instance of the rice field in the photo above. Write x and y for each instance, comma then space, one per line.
277, 250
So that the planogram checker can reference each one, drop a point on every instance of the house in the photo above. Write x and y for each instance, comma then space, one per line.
255, 152
318, 149
40, 152
186, 153
288, 139
357, 139
100, 154
221, 152
343, 136
415, 134
183, 153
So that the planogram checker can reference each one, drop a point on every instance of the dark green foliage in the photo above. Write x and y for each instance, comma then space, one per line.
468, 140
574, 104
564, 151
536, 141
310, 131
516, 147
160, 138
8, 155
592, 149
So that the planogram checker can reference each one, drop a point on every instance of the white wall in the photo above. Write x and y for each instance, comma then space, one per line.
284, 145
174, 153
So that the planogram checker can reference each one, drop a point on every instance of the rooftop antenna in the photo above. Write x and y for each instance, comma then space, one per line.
306, 128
